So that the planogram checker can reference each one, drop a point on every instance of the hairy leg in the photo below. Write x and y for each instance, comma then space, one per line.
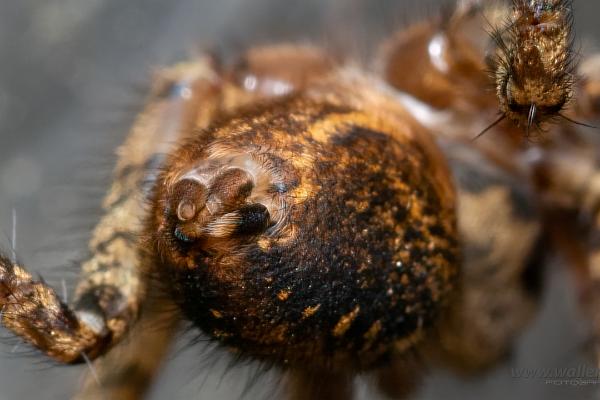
308, 385
130, 368
400, 378
501, 271
113, 282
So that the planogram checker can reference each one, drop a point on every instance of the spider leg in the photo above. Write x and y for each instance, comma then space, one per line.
501, 271
35, 312
108, 296
129, 369
449, 51
400, 378
114, 277
588, 89
577, 238
308, 385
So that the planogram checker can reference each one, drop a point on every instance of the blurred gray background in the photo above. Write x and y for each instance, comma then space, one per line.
72, 77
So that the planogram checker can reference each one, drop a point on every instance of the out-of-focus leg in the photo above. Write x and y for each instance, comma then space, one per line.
588, 89
400, 378
309, 385
127, 372
112, 287
499, 226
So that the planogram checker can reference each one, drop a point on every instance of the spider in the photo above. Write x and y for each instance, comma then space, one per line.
330, 221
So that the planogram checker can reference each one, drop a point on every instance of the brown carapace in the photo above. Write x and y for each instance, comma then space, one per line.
329, 221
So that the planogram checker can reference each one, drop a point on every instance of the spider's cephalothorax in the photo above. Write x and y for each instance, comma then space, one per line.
315, 230
533, 67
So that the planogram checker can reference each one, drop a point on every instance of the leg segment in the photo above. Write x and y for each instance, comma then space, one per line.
34, 311
308, 385
400, 378
114, 278
113, 285
129, 369
499, 226
588, 91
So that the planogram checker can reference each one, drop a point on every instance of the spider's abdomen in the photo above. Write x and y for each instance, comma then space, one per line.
314, 230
